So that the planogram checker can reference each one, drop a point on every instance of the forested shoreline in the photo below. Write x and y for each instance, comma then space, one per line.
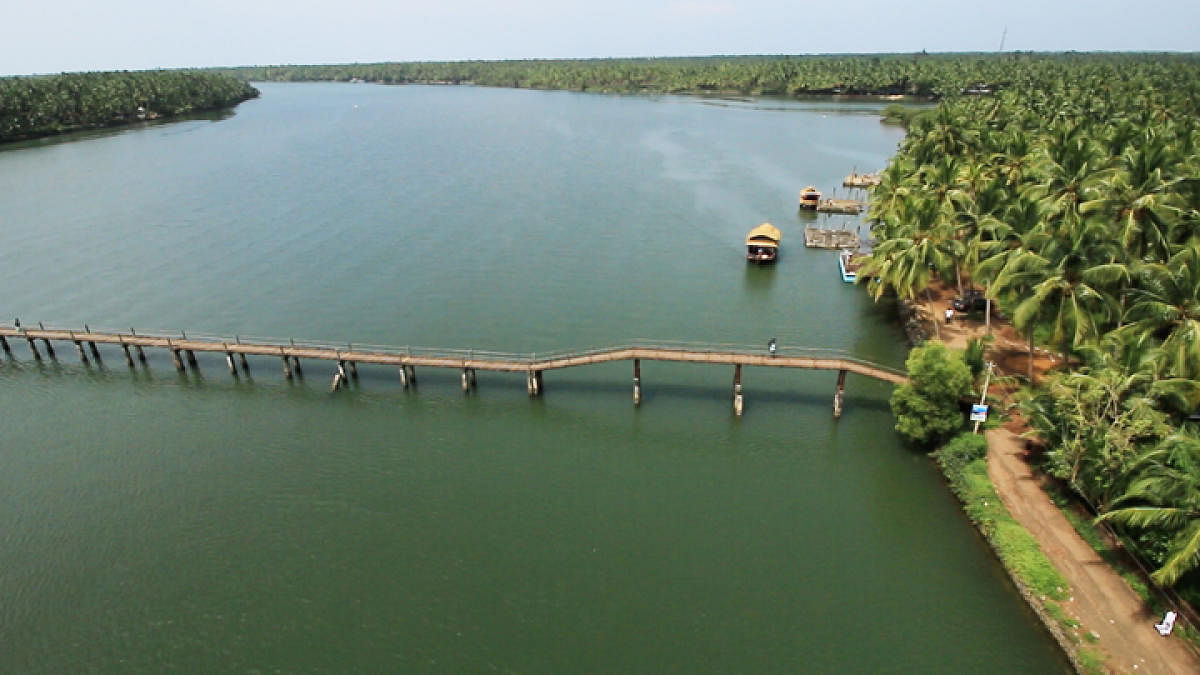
931, 76
45, 105
1072, 199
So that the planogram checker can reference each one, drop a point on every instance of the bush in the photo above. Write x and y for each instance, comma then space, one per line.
927, 408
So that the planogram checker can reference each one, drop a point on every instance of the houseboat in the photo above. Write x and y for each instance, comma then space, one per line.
762, 244
810, 198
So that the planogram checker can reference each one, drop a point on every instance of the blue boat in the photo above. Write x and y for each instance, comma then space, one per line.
848, 265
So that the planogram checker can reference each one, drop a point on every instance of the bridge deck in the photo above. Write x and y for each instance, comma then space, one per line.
814, 359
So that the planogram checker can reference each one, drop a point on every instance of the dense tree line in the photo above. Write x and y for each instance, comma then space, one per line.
1072, 199
44, 105
921, 75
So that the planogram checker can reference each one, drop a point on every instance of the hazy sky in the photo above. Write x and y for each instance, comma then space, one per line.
69, 35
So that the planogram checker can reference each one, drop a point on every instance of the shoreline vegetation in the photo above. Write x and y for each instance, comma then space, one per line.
49, 105
1072, 204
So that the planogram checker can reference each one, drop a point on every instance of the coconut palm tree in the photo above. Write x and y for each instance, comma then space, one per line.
1164, 307
1166, 497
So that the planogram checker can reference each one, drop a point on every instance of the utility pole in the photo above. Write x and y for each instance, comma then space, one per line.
983, 397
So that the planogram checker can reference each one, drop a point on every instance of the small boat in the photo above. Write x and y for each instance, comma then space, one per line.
762, 244
810, 197
848, 264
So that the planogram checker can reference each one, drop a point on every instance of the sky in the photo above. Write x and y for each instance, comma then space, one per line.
75, 35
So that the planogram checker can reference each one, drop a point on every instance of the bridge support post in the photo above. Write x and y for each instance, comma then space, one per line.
296, 367
49, 348
533, 382
839, 395
141, 354
468, 379
287, 367
4, 343
738, 403
178, 359
412, 376
33, 348
79, 348
191, 357
232, 366
128, 356
637, 382
95, 352
245, 365
339, 376
353, 369
403, 369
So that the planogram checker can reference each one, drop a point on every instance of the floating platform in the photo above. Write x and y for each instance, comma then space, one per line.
849, 207
815, 237
861, 180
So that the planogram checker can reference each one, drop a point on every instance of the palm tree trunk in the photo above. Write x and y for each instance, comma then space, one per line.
987, 319
1031, 355
958, 278
937, 332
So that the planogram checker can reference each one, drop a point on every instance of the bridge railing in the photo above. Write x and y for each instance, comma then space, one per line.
466, 354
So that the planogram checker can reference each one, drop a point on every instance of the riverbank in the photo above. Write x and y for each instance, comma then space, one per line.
1101, 620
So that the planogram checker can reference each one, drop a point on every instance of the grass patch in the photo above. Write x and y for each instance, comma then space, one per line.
962, 461
1090, 662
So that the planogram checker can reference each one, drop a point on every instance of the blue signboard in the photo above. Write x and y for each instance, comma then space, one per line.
979, 413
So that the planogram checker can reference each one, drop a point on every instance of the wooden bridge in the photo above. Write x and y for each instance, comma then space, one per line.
183, 350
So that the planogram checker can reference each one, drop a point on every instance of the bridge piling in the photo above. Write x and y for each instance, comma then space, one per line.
33, 348
95, 352
191, 359
287, 368
232, 366
49, 348
178, 359
353, 369
738, 403
141, 355
82, 354
4, 343
296, 367
128, 356
245, 364
637, 383
839, 395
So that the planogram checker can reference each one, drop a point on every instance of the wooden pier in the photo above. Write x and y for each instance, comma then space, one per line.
815, 237
848, 207
346, 358
861, 180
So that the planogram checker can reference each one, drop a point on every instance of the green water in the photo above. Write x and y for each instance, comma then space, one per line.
152, 521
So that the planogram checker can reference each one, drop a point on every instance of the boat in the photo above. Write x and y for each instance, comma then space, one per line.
810, 197
762, 244
848, 263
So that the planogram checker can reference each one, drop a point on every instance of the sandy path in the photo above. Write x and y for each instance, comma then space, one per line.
1101, 600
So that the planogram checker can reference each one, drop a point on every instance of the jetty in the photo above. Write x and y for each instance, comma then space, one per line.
861, 180
850, 207
815, 237
345, 358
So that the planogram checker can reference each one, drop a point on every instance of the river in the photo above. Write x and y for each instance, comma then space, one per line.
155, 521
